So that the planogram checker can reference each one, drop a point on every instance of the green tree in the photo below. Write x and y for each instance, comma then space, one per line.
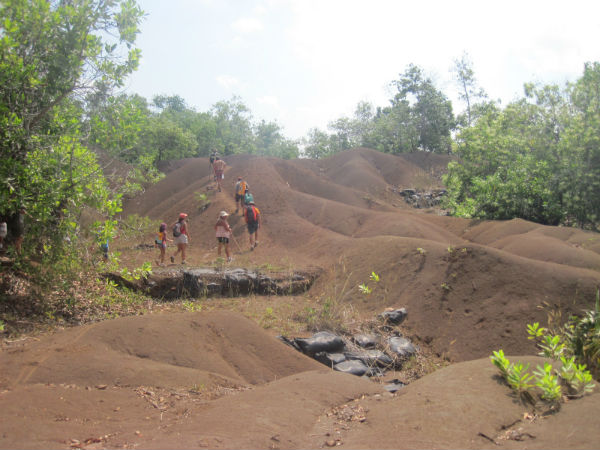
51, 55
317, 144
469, 92
537, 159
271, 142
118, 126
430, 111
169, 141
233, 121
580, 160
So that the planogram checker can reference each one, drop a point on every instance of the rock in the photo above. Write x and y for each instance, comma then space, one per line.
330, 359
395, 316
371, 358
366, 340
323, 341
394, 385
401, 347
353, 367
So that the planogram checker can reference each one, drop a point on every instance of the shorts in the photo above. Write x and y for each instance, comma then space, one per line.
219, 174
223, 240
239, 197
252, 227
181, 239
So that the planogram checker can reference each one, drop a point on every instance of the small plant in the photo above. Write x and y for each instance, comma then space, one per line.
1, 325
202, 200
575, 377
421, 251
446, 287
197, 388
518, 377
501, 362
548, 383
450, 249
374, 277
535, 331
192, 306
219, 263
582, 337
551, 346
268, 318
364, 289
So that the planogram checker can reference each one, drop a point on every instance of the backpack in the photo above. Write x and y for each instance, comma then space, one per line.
248, 198
241, 188
251, 214
177, 229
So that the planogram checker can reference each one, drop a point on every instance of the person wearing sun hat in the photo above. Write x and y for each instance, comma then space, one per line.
181, 236
223, 233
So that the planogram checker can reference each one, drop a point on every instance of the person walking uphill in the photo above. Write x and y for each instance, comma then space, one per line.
223, 233
219, 168
161, 243
182, 237
253, 221
240, 189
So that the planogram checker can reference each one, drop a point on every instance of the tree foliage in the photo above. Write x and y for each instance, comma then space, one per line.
53, 54
537, 159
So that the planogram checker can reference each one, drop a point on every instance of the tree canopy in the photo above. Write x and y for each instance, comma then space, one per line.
52, 55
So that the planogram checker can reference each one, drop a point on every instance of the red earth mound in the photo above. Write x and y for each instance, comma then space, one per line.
218, 380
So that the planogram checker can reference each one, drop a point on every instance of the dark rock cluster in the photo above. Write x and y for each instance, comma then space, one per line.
422, 199
368, 354
209, 282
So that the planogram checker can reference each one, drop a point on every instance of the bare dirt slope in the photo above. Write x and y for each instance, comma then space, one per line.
218, 380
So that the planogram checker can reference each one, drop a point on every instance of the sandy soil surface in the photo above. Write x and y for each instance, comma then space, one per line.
218, 379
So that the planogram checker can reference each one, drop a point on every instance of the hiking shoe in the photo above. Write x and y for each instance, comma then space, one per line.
229, 259
256, 244
251, 247
183, 262
172, 259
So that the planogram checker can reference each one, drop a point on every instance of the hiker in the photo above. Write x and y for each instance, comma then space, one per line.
161, 243
253, 221
182, 237
248, 197
212, 158
219, 168
3, 233
241, 187
223, 233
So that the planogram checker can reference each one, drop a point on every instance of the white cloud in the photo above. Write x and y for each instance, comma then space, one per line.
227, 81
268, 100
247, 25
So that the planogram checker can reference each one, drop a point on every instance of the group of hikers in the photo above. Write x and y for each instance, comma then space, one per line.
244, 200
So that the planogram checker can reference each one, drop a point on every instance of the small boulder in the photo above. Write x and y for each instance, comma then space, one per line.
395, 316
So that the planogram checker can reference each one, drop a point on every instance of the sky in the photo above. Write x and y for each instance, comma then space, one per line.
306, 63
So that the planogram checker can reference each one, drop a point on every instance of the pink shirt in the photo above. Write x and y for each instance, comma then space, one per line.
223, 229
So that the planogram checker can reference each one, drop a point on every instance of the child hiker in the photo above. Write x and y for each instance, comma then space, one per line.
161, 243
223, 233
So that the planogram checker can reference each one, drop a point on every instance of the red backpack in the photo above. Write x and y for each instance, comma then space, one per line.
251, 214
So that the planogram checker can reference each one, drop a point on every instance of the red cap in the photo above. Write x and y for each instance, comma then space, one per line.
182, 215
